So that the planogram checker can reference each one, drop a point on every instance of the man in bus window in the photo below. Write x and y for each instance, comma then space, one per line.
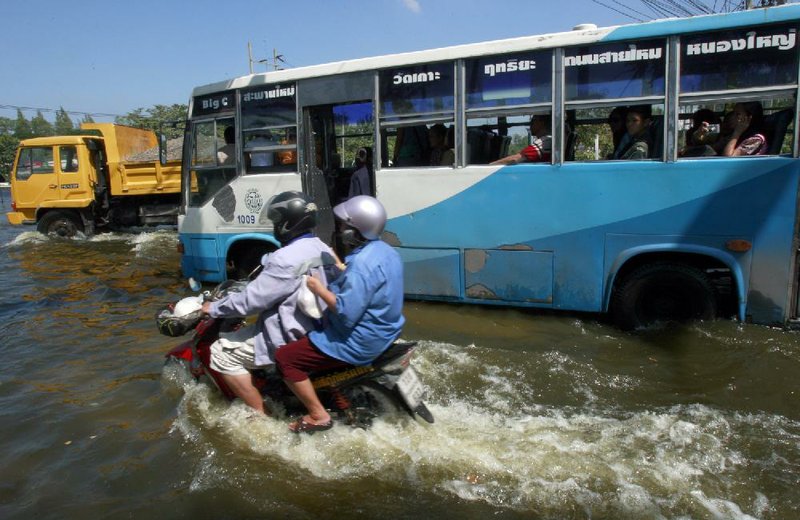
637, 122
225, 155
540, 148
616, 122
360, 183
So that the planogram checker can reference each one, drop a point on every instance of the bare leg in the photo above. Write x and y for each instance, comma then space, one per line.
304, 390
242, 386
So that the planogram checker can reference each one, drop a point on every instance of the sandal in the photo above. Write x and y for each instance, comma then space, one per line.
303, 426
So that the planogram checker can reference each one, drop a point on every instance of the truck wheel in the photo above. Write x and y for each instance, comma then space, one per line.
60, 223
663, 291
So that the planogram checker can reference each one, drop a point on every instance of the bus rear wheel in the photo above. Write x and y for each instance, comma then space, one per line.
60, 223
663, 292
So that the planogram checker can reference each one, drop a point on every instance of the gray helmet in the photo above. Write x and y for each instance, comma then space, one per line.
363, 213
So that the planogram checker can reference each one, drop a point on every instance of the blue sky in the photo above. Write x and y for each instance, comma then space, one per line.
113, 56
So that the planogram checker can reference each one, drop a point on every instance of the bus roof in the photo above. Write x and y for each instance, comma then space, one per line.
656, 28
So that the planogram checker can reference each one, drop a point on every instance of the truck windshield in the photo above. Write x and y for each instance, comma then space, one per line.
33, 161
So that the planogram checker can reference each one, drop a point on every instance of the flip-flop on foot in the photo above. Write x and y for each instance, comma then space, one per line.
303, 426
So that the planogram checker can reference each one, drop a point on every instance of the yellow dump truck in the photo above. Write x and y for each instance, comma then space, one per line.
108, 177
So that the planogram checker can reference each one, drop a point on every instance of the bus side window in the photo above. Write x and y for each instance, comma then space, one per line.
776, 127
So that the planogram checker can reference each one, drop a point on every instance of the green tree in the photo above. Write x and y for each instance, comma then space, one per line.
63, 124
8, 147
41, 127
87, 118
22, 127
6, 126
158, 118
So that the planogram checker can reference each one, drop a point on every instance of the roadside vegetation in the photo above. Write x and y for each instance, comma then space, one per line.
12, 131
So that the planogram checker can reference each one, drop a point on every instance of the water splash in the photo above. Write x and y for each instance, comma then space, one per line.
493, 443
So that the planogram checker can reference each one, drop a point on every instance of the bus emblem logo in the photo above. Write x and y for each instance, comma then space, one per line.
253, 200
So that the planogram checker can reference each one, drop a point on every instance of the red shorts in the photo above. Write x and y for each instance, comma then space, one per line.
297, 359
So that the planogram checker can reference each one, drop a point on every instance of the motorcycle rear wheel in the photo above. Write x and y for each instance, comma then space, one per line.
367, 401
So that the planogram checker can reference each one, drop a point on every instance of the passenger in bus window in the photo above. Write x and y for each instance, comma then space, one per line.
740, 134
619, 134
440, 154
540, 149
360, 180
701, 137
411, 146
261, 159
701, 131
288, 156
637, 123
226, 154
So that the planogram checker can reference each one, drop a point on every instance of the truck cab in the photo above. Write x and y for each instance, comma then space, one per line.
52, 180
103, 179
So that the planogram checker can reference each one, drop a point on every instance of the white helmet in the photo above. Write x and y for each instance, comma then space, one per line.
363, 213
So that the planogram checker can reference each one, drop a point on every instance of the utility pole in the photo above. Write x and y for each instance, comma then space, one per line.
276, 58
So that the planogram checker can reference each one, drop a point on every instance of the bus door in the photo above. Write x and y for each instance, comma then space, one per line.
314, 180
339, 144
338, 139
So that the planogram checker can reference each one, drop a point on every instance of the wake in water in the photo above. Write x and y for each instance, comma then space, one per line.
494, 443
134, 236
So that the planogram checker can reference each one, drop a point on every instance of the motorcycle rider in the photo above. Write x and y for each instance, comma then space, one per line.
273, 294
364, 310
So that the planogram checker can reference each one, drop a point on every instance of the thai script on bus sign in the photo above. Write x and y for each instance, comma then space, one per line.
512, 65
259, 95
783, 42
416, 77
632, 54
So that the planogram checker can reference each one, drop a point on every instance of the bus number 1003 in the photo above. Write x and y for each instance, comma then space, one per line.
246, 219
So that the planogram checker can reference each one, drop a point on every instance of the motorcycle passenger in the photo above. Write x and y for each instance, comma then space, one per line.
364, 309
273, 294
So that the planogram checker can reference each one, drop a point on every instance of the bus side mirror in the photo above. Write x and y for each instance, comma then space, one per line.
162, 148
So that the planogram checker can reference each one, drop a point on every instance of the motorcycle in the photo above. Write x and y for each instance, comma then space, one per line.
353, 396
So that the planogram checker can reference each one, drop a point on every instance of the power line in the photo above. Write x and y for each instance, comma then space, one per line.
618, 11
54, 110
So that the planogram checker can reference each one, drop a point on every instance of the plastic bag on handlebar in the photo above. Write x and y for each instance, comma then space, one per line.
173, 326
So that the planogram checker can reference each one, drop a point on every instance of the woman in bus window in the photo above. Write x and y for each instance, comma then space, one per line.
740, 134
637, 122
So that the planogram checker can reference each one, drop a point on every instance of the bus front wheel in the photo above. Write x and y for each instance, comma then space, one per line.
663, 292
245, 259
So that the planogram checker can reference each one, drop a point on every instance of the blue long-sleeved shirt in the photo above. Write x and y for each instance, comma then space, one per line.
369, 306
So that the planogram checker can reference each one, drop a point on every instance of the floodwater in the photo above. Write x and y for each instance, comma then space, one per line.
537, 415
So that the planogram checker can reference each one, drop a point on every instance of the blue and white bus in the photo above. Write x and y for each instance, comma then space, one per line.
678, 233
